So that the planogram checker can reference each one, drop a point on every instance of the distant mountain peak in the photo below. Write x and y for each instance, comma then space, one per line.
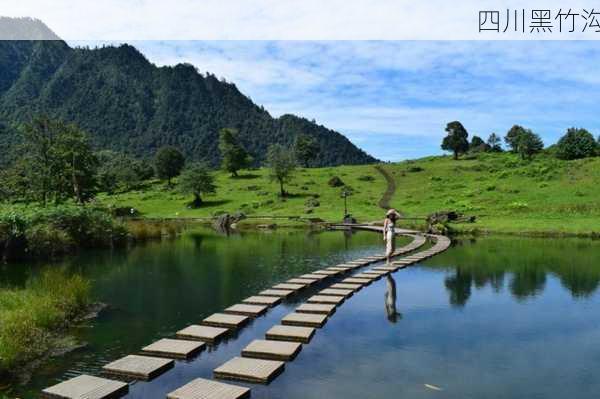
25, 28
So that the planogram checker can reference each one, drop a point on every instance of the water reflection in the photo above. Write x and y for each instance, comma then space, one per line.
390, 300
523, 264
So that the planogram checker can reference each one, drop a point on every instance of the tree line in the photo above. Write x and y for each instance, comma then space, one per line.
56, 162
575, 144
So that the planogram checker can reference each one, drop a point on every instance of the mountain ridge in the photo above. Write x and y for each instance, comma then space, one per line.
128, 104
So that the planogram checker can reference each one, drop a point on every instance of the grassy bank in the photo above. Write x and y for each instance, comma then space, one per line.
544, 196
31, 317
507, 195
253, 194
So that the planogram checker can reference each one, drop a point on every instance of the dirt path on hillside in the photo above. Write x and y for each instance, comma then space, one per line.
384, 202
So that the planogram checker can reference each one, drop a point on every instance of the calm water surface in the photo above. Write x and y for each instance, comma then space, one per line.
491, 318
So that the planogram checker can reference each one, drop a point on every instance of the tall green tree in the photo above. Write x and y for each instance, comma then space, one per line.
575, 144
56, 162
477, 144
456, 140
197, 180
168, 162
512, 137
234, 156
282, 164
494, 143
306, 149
528, 144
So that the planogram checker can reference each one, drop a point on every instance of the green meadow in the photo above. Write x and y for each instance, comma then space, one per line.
504, 193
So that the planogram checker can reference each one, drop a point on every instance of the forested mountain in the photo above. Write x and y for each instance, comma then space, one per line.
128, 104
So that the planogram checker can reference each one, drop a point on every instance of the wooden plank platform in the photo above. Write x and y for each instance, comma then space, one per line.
291, 333
336, 292
285, 286
346, 286
313, 276
244, 309
386, 268
316, 308
203, 333
325, 272
272, 350
139, 367
277, 293
376, 272
335, 300
250, 370
225, 320
357, 280
342, 269
88, 387
262, 300
305, 281
367, 276
304, 320
201, 388
176, 348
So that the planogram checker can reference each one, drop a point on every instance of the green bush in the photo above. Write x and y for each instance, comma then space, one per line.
576, 144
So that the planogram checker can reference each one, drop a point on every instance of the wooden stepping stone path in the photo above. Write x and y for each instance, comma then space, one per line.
292, 287
201, 388
249, 370
313, 276
326, 299
139, 367
340, 268
304, 320
272, 350
88, 387
175, 348
304, 281
316, 308
243, 309
357, 280
291, 333
346, 286
371, 277
376, 272
262, 300
277, 293
225, 320
327, 272
203, 333
386, 268
336, 292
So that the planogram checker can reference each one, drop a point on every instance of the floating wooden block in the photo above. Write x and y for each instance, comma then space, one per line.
285, 286
304, 320
88, 387
277, 293
367, 276
272, 350
346, 286
340, 268
313, 276
291, 333
303, 281
327, 272
140, 367
201, 388
225, 320
386, 268
203, 333
250, 370
176, 348
376, 272
262, 300
336, 292
357, 280
244, 309
316, 308
335, 300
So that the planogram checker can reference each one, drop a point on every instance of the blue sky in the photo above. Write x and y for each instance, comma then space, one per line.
394, 98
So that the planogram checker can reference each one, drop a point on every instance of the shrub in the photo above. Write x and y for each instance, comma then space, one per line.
366, 178
576, 144
414, 169
312, 203
335, 181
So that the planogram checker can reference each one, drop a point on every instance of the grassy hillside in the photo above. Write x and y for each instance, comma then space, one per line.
253, 194
506, 194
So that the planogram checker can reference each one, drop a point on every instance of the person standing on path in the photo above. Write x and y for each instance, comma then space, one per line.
389, 235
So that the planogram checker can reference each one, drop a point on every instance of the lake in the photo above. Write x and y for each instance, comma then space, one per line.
495, 317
